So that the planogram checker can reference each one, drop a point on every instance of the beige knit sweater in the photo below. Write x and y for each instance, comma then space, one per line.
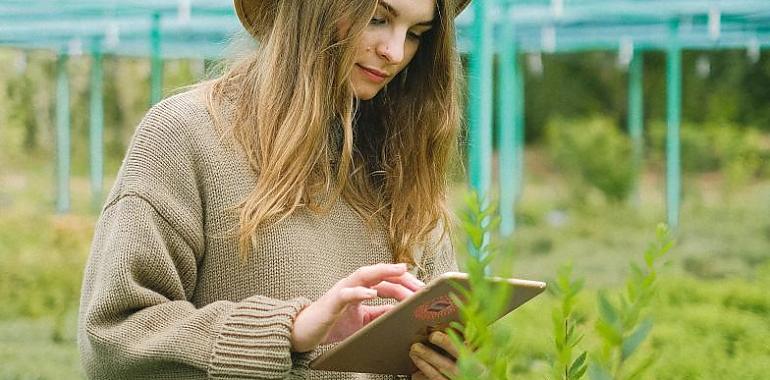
165, 295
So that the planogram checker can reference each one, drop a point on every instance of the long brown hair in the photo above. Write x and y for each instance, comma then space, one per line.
310, 141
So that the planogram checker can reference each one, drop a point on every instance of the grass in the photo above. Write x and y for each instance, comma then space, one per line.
28, 351
711, 315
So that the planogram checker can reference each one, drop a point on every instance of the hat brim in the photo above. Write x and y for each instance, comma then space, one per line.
253, 14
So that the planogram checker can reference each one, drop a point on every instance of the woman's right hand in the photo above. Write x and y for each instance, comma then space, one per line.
340, 312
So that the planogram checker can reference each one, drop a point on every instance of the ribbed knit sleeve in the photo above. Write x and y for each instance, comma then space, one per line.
137, 323
137, 320
253, 341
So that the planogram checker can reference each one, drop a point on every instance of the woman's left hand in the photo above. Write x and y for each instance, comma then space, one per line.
431, 364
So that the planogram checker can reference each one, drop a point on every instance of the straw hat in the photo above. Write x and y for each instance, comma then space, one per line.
256, 15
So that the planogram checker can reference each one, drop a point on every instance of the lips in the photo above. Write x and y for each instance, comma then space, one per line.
373, 74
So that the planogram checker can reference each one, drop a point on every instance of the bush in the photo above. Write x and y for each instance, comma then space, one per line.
593, 153
731, 149
623, 324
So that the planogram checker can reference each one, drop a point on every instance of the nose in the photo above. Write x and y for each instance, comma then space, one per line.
391, 47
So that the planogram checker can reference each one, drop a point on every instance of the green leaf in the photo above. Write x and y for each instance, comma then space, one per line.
577, 286
649, 257
494, 224
557, 316
576, 340
608, 333
606, 310
577, 365
634, 340
597, 372
580, 372
554, 289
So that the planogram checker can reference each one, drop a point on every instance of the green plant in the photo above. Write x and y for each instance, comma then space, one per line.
592, 153
484, 351
623, 325
735, 150
565, 337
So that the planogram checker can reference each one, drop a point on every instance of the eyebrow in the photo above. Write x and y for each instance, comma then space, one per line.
395, 13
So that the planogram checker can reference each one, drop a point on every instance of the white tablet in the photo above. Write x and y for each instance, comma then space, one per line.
382, 346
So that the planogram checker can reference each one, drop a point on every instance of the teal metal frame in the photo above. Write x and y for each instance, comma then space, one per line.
636, 119
674, 106
480, 106
509, 128
519, 114
156, 59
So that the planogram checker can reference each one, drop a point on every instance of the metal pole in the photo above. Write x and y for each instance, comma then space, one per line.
62, 135
519, 128
674, 105
97, 125
156, 61
507, 120
636, 119
480, 107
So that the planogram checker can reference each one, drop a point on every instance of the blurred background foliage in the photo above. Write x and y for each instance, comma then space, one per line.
578, 203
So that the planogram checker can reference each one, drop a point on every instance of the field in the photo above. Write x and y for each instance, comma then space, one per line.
712, 310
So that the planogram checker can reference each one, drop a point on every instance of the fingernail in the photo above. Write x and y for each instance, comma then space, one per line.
371, 293
417, 282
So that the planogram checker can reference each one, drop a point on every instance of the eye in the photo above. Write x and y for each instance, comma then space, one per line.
378, 20
414, 36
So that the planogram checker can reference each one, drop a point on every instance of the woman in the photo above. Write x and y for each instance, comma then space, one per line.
314, 169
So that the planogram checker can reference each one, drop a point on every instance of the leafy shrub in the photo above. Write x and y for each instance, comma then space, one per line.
492, 352
486, 351
566, 338
734, 150
593, 153
623, 324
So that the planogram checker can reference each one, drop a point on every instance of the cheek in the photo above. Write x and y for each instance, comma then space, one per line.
410, 51
365, 42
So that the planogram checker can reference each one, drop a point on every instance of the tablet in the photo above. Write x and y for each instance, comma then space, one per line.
382, 346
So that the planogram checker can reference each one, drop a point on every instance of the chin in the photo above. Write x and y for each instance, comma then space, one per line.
364, 90
365, 94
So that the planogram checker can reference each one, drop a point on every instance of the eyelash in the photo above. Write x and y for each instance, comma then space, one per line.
382, 21
378, 21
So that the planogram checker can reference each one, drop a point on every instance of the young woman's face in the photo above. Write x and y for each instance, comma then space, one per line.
389, 43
